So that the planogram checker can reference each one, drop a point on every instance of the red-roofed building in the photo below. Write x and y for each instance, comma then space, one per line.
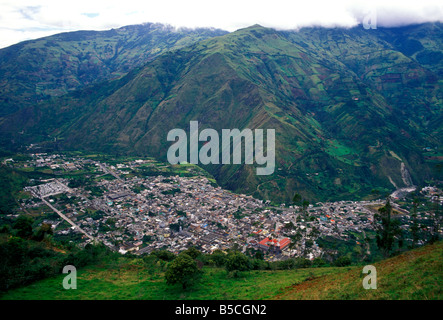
284, 243
274, 245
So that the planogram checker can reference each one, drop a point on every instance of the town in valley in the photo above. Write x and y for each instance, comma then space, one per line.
142, 205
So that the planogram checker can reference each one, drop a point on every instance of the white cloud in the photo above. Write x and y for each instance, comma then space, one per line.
24, 19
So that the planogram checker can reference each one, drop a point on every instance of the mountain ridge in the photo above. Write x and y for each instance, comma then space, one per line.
335, 97
58, 64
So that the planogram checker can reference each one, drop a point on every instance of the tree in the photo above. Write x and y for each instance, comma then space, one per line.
218, 257
300, 201
301, 262
43, 230
290, 226
192, 252
342, 261
297, 199
174, 227
164, 255
259, 255
305, 205
414, 223
435, 223
387, 229
319, 262
23, 226
237, 261
315, 232
309, 243
183, 270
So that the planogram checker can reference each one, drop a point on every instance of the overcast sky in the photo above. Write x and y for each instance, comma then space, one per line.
27, 19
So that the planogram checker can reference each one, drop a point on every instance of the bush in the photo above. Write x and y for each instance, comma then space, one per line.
286, 264
302, 263
23, 226
192, 252
164, 255
258, 264
24, 260
218, 258
43, 230
236, 261
319, 262
342, 261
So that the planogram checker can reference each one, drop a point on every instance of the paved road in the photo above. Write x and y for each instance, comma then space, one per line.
67, 219
111, 172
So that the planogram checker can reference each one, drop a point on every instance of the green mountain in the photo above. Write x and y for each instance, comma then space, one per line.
52, 66
353, 109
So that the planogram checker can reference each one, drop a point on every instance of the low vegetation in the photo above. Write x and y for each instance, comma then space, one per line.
416, 274
413, 275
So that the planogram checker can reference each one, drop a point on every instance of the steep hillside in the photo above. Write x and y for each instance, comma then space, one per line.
352, 108
52, 66
414, 275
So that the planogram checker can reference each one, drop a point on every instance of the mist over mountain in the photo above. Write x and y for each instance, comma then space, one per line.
354, 110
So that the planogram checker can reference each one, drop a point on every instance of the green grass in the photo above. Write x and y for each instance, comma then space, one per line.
134, 281
413, 275
416, 274
341, 152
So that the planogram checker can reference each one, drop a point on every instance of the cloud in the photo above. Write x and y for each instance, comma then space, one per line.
23, 19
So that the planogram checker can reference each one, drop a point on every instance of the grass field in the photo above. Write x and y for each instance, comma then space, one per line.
413, 275
129, 280
416, 275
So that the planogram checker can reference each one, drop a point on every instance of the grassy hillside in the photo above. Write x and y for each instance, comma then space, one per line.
130, 280
12, 183
414, 275
55, 65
